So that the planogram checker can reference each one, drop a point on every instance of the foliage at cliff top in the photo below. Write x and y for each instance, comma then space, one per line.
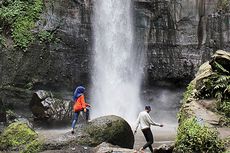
19, 137
194, 137
17, 19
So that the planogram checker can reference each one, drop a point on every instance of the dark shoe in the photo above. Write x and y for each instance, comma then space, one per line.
72, 132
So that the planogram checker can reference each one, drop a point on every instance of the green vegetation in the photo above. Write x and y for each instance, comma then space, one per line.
20, 137
189, 92
193, 138
20, 16
223, 5
218, 86
45, 36
211, 83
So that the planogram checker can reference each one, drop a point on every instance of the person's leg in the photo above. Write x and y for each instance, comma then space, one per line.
149, 138
87, 114
74, 122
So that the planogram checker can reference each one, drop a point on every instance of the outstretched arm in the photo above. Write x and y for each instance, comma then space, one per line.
152, 122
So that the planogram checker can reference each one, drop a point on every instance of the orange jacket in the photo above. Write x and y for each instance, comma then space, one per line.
80, 104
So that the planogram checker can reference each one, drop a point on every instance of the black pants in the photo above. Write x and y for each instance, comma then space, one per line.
149, 138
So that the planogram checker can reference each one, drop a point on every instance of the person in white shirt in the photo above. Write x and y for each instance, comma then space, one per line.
145, 121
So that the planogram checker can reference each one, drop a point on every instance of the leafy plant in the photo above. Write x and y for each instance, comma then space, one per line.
189, 92
20, 16
45, 36
193, 137
224, 107
217, 86
33, 147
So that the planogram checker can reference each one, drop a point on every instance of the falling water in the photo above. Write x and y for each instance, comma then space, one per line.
117, 70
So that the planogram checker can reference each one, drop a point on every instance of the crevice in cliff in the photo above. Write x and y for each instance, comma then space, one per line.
202, 22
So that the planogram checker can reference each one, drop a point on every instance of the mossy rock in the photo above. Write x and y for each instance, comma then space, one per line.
111, 129
20, 137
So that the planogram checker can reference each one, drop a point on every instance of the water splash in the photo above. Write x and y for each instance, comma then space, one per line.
116, 75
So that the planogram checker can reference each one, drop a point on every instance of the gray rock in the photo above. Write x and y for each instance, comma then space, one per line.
111, 129
164, 149
45, 106
108, 148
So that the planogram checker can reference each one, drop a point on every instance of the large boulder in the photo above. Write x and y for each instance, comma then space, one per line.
45, 106
111, 129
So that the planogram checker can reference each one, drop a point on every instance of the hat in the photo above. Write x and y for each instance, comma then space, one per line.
147, 107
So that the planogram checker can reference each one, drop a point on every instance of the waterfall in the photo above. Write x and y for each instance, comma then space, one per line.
116, 75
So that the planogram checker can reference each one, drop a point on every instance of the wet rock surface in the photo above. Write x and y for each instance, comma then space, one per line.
45, 106
110, 129
178, 37
164, 149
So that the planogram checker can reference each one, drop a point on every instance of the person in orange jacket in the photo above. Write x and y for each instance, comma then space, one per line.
79, 105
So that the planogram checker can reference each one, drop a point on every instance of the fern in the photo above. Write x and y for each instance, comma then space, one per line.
220, 67
227, 90
223, 78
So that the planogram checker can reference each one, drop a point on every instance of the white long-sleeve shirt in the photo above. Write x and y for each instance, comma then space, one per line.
145, 121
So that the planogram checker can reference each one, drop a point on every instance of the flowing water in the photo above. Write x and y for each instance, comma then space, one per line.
116, 75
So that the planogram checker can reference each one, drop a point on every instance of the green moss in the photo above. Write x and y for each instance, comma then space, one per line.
45, 36
223, 5
99, 134
21, 16
189, 92
18, 135
33, 147
193, 138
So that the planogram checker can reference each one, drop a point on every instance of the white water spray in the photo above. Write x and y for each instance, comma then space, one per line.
117, 65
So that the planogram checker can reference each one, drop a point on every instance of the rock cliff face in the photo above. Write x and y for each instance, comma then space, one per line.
59, 63
178, 36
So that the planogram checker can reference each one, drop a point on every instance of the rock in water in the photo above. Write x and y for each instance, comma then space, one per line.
111, 129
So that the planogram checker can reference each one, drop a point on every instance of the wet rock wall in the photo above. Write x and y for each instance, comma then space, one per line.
177, 36
180, 36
